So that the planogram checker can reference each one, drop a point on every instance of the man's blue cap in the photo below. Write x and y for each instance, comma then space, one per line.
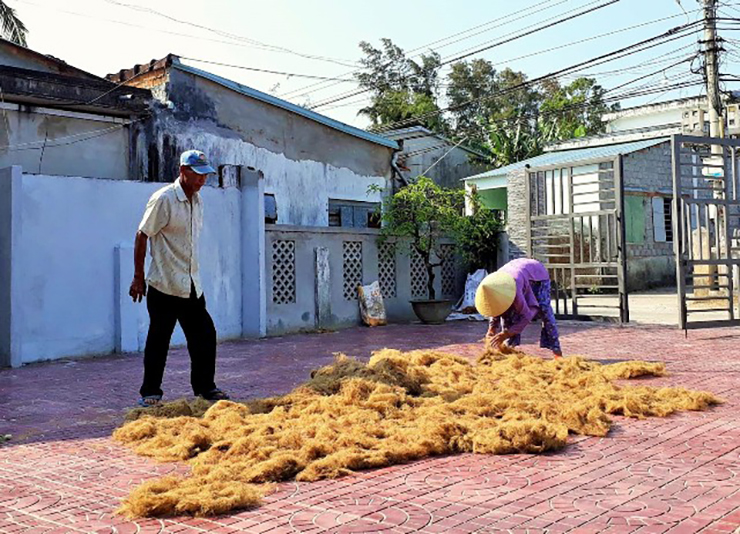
196, 160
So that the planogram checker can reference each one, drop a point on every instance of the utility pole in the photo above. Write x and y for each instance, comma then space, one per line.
711, 68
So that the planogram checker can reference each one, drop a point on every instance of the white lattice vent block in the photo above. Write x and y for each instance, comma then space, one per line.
448, 270
387, 269
419, 276
283, 272
351, 268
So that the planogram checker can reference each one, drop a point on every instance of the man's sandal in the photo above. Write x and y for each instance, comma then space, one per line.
149, 401
215, 395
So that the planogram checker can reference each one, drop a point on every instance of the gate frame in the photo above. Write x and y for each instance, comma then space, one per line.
684, 259
619, 234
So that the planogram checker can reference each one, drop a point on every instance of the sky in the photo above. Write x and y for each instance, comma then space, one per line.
320, 38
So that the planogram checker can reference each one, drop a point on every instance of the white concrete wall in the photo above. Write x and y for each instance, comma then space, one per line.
38, 140
448, 172
649, 120
302, 188
70, 228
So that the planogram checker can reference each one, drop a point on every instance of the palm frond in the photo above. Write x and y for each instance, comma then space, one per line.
11, 26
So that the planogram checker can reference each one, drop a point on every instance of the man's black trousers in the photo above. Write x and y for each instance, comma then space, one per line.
164, 312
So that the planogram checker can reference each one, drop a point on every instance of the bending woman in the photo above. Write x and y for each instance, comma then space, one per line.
514, 296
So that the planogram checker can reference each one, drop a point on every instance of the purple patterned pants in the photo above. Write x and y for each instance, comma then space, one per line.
549, 337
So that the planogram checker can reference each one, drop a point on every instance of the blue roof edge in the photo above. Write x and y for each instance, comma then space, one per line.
288, 106
629, 146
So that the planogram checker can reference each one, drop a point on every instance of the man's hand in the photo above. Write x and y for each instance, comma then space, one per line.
138, 289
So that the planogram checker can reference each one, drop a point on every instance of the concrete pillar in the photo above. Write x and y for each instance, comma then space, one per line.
502, 249
10, 276
702, 248
127, 312
322, 296
254, 288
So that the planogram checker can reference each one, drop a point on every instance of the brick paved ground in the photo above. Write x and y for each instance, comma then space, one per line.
61, 473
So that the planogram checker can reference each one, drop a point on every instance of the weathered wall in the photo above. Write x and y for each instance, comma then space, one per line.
649, 170
38, 140
304, 163
301, 313
647, 174
66, 260
449, 172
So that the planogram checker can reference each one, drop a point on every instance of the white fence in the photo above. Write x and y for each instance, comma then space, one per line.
67, 252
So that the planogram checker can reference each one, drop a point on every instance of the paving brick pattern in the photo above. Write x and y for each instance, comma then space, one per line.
61, 472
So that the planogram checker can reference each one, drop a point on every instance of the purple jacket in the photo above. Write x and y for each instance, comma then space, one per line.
524, 271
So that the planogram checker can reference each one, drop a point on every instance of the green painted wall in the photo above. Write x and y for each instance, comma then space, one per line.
494, 199
634, 216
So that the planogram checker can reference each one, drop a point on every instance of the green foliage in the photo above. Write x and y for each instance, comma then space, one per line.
511, 142
11, 27
574, 110
475, 106
400, 87
494, 111
424, 212
394, 106
477, 236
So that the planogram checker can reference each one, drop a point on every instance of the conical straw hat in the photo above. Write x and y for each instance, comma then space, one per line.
495, 294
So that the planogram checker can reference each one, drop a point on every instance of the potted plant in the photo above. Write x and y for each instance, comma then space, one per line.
421, 214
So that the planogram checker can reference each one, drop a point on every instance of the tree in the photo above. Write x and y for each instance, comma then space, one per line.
574, 110
501, 115
394, 106
12, 27
424, 212
400, 87
481, 97
512, 141
477, 236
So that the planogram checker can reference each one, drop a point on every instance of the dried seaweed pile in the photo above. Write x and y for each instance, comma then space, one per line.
397, 408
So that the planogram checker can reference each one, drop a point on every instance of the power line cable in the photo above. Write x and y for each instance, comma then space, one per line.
222, 33
147, 28
581, 41
644, 90
255, 69
520, 12
673, 34
528, 33
69, 139
488, 47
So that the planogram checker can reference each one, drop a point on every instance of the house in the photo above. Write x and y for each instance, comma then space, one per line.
58, 119
425, 152
317, 171
290, 226
637, 139
647, 179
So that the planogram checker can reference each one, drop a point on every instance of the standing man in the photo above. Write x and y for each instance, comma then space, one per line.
172, 222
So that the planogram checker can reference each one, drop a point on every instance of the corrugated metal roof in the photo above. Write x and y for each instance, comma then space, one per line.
277, 102
569, 157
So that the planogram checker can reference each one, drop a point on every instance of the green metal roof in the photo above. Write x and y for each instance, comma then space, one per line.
569, 157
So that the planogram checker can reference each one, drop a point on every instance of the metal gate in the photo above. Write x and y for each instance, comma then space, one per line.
576, 229
706, 228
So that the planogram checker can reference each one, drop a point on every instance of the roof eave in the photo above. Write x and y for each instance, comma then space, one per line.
288, 106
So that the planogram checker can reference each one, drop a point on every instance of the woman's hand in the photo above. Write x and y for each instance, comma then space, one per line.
497, 340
